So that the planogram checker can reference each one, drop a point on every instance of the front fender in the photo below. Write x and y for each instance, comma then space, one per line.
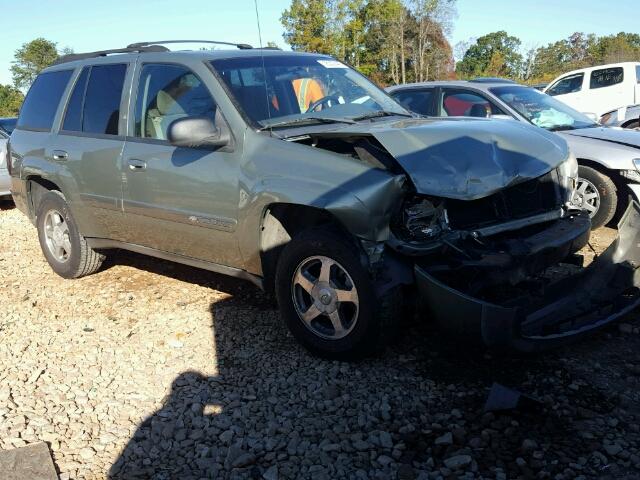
363, 205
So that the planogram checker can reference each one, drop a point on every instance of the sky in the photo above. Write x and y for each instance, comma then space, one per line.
89, 25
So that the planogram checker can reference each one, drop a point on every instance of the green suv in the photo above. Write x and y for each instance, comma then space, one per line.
295, 172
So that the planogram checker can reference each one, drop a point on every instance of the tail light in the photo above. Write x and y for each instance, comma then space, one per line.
7, 158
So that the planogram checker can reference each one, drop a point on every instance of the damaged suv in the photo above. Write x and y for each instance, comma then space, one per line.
295, 172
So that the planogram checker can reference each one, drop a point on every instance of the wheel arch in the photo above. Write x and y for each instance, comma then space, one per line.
283, 221
37, 186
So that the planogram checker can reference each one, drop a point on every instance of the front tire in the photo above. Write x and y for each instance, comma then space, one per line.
66, 251
596, 193
327, 299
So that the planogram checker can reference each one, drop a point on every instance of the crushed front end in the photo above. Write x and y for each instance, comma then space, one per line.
503, 267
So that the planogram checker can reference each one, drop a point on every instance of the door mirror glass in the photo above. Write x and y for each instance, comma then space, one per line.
197, 132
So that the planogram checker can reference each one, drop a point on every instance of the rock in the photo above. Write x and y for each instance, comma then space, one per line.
87, 453
385, 440
271, 473
612, 449
244, 460
446, 439
458, 462
529, 445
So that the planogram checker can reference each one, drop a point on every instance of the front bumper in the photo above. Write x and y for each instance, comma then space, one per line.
564, 311
5, 183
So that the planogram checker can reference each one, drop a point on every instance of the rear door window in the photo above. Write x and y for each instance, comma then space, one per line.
418, 101
39, 108
101, 112
73, 115
570, 84
606, 77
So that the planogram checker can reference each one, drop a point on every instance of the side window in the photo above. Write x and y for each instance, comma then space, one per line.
606, 77
73, 115
101, 112
40, 106
167, 93
570, 84
457, 103
638, 74
418, 101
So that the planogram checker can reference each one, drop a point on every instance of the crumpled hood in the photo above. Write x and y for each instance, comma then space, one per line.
621, 136
467, 159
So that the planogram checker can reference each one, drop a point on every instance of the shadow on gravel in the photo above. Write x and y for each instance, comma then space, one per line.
274, 408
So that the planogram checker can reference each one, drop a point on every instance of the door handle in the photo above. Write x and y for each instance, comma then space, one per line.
136, 165
60, 155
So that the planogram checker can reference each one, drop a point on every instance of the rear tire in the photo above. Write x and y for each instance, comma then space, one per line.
364, 320
66, 251
592, 181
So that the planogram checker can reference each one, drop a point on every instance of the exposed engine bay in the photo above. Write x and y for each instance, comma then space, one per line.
488, 254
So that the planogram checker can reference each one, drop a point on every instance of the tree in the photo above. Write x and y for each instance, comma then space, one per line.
10, 101
498, 51
30, 60
305, 24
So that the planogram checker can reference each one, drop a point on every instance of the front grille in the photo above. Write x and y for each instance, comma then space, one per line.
519, 201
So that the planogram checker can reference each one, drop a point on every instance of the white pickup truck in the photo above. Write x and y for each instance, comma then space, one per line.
598, 90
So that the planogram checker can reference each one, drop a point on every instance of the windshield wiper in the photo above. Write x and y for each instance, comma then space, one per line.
380, 113
306, 121
558, 128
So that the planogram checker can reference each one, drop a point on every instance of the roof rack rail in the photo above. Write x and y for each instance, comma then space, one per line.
241, 46
491, 80
103, 53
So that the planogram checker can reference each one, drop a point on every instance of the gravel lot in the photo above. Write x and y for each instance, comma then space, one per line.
152, 370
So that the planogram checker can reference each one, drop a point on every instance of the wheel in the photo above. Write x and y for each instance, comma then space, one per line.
595, 193
327, 300
66, 251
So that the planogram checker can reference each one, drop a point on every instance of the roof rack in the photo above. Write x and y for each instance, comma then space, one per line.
241, 46
103, 53
491, 80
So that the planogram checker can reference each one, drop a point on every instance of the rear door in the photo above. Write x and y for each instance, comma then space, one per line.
179, 200
607, 90
569, 89
89, 145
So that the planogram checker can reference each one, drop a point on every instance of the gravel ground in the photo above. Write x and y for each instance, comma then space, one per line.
153, 370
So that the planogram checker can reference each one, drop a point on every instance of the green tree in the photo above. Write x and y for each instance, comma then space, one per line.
305, 25
497, 52
10, 101
30, 60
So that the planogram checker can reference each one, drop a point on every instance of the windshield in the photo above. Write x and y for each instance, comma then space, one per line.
301, 88
541, 109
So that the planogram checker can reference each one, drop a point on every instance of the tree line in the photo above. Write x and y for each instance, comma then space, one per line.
392, 42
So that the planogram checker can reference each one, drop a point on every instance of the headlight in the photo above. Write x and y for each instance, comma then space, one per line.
633, 175
568, 171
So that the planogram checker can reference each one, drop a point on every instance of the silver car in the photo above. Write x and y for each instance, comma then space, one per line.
625, 117
5, 180
609, 158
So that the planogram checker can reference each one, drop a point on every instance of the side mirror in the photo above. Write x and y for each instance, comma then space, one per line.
501, 116
591, 116
197, 132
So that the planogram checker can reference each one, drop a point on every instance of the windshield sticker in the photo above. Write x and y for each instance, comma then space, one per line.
332, 64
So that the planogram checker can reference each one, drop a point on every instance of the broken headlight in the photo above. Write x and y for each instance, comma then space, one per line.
568, 173
423, 219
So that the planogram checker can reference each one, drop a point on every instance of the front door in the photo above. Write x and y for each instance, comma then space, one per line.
570, 90
179, 200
